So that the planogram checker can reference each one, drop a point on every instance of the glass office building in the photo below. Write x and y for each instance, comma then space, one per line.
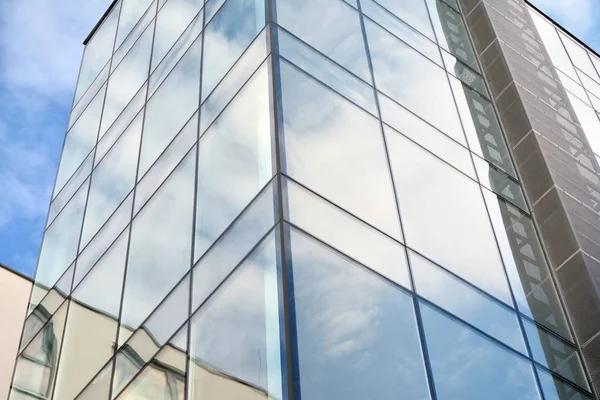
318, 199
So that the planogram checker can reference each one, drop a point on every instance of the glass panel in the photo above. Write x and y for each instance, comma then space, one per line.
80, 140
554, 389
425, 135
413, 12
140, 27
349, 325
61, 239
171, 106
399, 72
589, 84
227, 36
97, 52
500, 183
346, 233
88, 96
481, 126
312, 21
92, 322
235, 343
70, 188
464, 73
172, 20
234, 161
451, 32
403, 31
241, 72
131, 13
555, 354
166, 163
212, 6
112, 180
121, 123
526, 266
35, 369
579, 57
158, 258
161, 71
223, 257
326, 71
107, 234
588, 120
445, 218
473, 307
467, 366
572, 86
127, 79
356, 176
99, 388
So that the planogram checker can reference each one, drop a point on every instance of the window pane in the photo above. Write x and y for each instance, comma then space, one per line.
235, 353
92, 322
228, 251
326, 71
555, 354
97, 52
500, 183
445, 218
413, 12
99, 388
88, 96
80, 140
61, 239
227, 36
127, 79
171, 106
158, 258
330, 26
346, 233
554, 389
234, 161
172, 20
140, 27
112, 180
467, 366
356, 176
449, 293
399, 72
357, 334
131, 12
579, 57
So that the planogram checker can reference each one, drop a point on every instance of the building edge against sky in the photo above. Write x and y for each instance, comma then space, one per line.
315, 199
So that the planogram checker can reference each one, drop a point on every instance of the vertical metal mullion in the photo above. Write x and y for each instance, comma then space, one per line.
130, 227
417, 311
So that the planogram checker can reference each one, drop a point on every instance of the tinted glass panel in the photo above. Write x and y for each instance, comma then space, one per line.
413, 12
131, 12
555, 389
357, 334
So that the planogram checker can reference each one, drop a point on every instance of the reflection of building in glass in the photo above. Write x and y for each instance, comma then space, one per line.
317, 199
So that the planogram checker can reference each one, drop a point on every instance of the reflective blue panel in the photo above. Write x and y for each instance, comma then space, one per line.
467, 366
473, 307
172, 20
226, 38
97, 51
399, 72
413, 12
236, 340
326, 71
346, 233
445, 218
356, 176
171, 106
234, 161
356, 334
330, 26
160, 249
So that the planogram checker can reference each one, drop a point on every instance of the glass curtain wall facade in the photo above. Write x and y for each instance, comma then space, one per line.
286, 199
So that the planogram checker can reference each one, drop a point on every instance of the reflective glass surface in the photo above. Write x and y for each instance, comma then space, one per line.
413, 12
356, 334
131, 12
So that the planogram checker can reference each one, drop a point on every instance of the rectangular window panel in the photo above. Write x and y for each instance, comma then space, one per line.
121, 50
413, 81
234, 161
356, 176
445, 218
131, 13
171, 106
81, 106
227, 36
468, 366
413, 12
500, 183
356, 334
470, 305
579, 57
555, 389
346, 233
330, 26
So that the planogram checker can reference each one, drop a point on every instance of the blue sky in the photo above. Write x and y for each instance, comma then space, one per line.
40, 52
